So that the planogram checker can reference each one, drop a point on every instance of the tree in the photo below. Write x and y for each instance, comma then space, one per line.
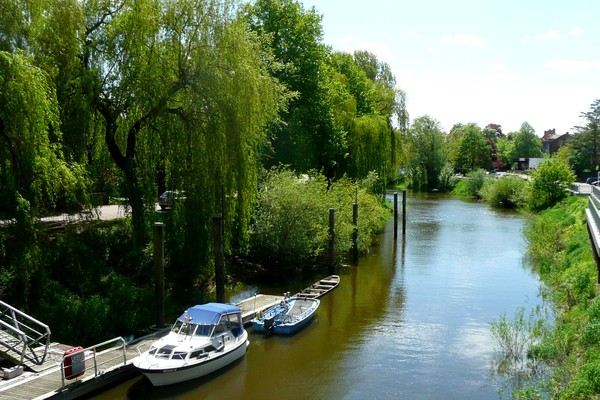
182, 88
470, 149
426, 152
585, 141
32, 163
526, 143
367, 132
308, 137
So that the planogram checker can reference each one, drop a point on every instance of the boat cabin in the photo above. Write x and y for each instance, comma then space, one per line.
204, 329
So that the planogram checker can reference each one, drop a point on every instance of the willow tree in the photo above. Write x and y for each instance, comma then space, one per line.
33, 173
183, 90
366, 105
32, 165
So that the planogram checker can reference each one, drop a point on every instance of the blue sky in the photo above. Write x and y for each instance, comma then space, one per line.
460, 61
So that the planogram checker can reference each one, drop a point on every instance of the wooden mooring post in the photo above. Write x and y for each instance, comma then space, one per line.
355, 231
395, 215
219, 258
331, 254
159, 273
404, 211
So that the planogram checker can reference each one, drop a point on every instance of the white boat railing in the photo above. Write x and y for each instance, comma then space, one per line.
79, 359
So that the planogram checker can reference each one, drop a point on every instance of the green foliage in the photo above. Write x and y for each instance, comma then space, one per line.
506, 192
586, 383
426, 153
517, 336
474, 181
577, 285
584, 146
549, 184
291, 227
526, 143
86, 284
469, 148
32, 162
560, 245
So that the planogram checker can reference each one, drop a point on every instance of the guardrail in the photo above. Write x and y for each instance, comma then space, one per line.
79, 358
593, 222
23, 330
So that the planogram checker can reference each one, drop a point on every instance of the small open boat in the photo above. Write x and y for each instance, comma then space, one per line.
320, 288
286, 318
202, 340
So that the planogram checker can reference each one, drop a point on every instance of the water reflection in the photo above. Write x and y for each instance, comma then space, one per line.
410, 320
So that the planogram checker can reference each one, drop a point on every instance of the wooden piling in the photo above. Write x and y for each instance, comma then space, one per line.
395, 215
331, 255
219, 258
355, 231
159, 273
404, 211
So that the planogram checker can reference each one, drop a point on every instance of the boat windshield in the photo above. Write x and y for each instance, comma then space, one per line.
188, 328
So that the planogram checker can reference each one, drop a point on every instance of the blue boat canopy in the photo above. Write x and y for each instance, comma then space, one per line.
209, 313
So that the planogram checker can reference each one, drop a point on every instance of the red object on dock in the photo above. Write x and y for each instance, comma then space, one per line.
74, 365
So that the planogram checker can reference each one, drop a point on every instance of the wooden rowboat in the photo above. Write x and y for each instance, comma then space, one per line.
320, 288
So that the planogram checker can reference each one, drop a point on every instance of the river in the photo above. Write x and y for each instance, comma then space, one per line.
411, 320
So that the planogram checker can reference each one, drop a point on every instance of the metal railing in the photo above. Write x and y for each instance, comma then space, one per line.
92, 354
593, 217
23, 334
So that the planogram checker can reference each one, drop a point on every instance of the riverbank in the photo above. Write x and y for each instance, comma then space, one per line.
560, 248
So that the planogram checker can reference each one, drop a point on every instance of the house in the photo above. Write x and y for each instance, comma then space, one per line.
551, 141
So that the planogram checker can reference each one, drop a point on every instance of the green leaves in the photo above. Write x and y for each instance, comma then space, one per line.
291, 227
29, 130
549, 183
427, 153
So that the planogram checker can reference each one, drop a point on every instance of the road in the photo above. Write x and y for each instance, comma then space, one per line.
103, 213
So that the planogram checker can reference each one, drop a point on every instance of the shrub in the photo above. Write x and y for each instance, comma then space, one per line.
549, 184
291, 226
507, 192
474, 181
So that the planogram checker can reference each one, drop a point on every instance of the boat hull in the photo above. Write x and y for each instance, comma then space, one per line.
169, 376
286, 328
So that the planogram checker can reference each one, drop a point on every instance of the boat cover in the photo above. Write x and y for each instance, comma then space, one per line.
209, 313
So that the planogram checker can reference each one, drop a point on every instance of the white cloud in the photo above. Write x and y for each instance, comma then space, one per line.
550, 35
575, 31
464, 39
573, 66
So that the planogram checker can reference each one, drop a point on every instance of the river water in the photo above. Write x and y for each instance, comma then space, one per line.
410, 321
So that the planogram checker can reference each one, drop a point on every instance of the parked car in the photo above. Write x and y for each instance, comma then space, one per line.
591, 180
169, 197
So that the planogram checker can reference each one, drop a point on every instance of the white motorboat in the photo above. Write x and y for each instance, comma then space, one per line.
202, 340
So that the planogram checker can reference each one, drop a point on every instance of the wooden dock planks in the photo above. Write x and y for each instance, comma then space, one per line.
254, 304
110, 364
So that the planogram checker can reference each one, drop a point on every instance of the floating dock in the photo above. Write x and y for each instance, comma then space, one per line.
112, 361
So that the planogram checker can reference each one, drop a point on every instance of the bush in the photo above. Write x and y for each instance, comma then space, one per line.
549, 184
507, 192
291, 226
474, 181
